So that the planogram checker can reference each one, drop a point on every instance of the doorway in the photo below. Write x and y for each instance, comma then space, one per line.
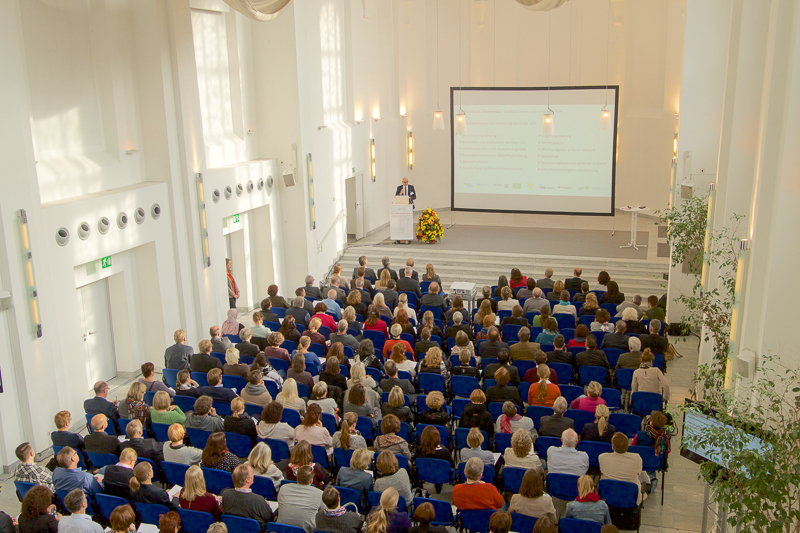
354, 196
234, 235
98, 335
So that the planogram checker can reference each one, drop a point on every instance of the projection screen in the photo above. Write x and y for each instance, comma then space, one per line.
505, 164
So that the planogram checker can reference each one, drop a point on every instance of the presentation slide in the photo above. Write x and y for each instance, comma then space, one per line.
504, 163
695, 424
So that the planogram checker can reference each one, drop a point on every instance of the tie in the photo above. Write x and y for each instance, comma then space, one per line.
405, 190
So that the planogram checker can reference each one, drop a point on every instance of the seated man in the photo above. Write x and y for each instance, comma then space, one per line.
581, 297
330, 303
476, 494
566, 459
433, 298
310, 289
99, 441
334, 518
204, 361
457, 326
574, 283
617, 340
78, 521
391, 380
242, 501
527, 292
101, 405
68, 476
219, 344
424, 343
149, 381
147, 448
623, 466
62, 436
516, 318
266, 314
592, 356
247, 348
390, 295
178, 355
633, 358
654, 312
635, 303
117, 478
503, 361
492, 347
560, 354
341, 335
536, 303
299, 503
524, 349
28, 471
298, 311
204, 416
307, 305
547, 281
215, 390
653, 340
555, 425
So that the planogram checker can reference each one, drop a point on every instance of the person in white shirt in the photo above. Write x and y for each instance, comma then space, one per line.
623, 466
563, 306
566, 459
78, 521
259, 330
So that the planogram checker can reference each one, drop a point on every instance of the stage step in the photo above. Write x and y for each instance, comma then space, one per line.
634, 276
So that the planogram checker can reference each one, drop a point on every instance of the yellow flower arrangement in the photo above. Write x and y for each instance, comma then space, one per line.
429, 228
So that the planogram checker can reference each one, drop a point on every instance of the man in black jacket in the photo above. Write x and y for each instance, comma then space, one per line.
100, 405
386, 263
433, 298
247, 348
654, 341
592, 356
147, 448
477, 415
391, 379
390, 295
99, 441
574, 283
117, 477
204, 361
214, 390
458, 325
219, 344
310, 289
409, 284
560, 355
299, 312
493, 346
617, 340
368, 272
503, 361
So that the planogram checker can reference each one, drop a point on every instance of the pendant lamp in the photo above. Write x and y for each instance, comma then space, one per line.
438, 116
548, 118
605, 114
460, 127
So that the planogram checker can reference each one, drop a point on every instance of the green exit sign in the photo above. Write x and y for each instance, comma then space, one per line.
235, 219
106, 262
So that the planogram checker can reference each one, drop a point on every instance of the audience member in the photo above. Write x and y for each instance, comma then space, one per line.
537, 302
184, 381
430, 446
299, 503
259, 329
123, 519
635, 303
616, 340
521, 453
255, 392
434, 363
556, 293
232, 366
117, 477
401, 361
313, 331
390, 440
622, 465
341, 335
504, 391
633, 358
456, 307
216, 454
510, 421
532, 500
274, 350
134, 406
100, 404
62, 436
163, 412
143, 490
356, 476
516, 279
289, 398
464, 368
632, 323
266, 313
564, 307
503, 362
38, 514
493, 346
434, 415
392, 476
424, 515
463, 345
231, 325
476, 414
348, 437
588, 505
288, 329
599, 430
579, 340
566, 459
654, 312
242, 501
507, 302
298, 372
335, 518
312, 431
546, 282
560, 354
516, 318
320, 394
298, 311
500, 522
204, 416
402, 305
524, 349
424, 343
474, 493
541, 320
176, 451
583, 295
147, 448
648, 378
214, 389
28, 471
204, 361
260, 460
240, 422
592, 356
386, 518
591, 400
485, 304
178, 355
274, 299
549, 333
396, 405
555, 424
612, 295
245, 348
602, 322
195, 497
303, 455
271, 427
545, 393
654, 340
78, 521
475, 442
602, 281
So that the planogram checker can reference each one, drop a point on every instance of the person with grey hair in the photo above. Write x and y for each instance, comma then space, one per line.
617, 340
336, 285
366, 297
341, 335
409, 264
547, 281
310, 289
386, 262
633, 358
407, 283
566, 459
330, 303
390, 295
535, 303
475, 493
653, 340
300, 315
368, 272
557, 423
458, 325
247, 348
524, 349
433, 298
635, 303
78, 522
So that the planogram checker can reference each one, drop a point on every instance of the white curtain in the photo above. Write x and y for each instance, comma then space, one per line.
541, 5
262, 10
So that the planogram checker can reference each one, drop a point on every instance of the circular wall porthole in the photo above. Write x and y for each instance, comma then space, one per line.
84, 230
122, 221
270, 182
216, 196
103, 225
260, 183
228, 192
249, 187
139, 215
239, 190
155, 211
62, 236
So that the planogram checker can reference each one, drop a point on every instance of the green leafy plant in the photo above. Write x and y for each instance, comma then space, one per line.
759, 488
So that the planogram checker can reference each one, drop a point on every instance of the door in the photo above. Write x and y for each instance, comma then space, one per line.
98, 336
354, 194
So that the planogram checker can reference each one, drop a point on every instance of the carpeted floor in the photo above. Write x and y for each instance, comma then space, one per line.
544, 241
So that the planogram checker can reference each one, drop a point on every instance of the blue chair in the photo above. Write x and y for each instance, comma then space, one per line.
511, 332
650, 461
201, 378
488, 473
198, 437
536, 412
217, 480
429, 382
291, 417
612, 354
573, 525
644, 403
586, 320
174, 472
161, 432
279, 364
374, 500
280, 311
612, 398
593, 449
464, 385
372, 372
437, 311
107, 504
564, 372
320, 456
598, 335
329, 422
248, 525
234, 382
235, 339
57, 449
412, 297
563, 486
271, 325
365, 426
524, 388
476, 521
496, 408
289, 346
238, 444
89, 423
444, 511
222, 408
280, 450
568, 333
565, 321
186, 403
123, 424
624, 378
489, 383
458, 405
621, 495
377, 338
580, 417
170, 376
151, 511
99, 460
512, 478
263, 486
461, 438
523, 365
625, 423
195, 521
23, 488
341, 458
502, 441
611, 308
543, 443
504, 313
385, 398
570, 392
317, 349
405, 431
444, 434
272, 387
436, 471
347, 495
253, 410
521, 523
592, 373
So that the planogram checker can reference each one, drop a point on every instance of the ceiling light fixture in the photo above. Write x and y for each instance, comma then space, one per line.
548, 119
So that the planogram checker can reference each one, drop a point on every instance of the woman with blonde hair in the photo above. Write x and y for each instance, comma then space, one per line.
240, 422
591, 400
599, 430
521, 453
402, 303
435, 364
396, 405
143, 490
379, 305
163, 412
484, 310
431, 275
358, 374
386, 518
134, 405
508, 302
383, 281
590, 306
588, 505
289, 398
232, 366
356, 476
389, 440
260, 460
434, 415
354, 301
545, 393
558, 288
349, 315
428, 322
176, 452
474, 442
195, 497
349, 438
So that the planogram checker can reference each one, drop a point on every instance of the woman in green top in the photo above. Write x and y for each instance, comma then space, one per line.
165, 413
541, 318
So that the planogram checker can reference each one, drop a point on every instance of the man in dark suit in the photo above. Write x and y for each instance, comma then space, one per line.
204, 361
98, 441
147, 448
433, 298
310, 289
368, 272
386, 263
458, 325
617, 340
560, 354
177, 356
215, 390
574, 283
116, 479
266, 314
556, 424
391, 380
307, 305
503, 361
492, 347
409, 284
654, 341
247, 348
366, 298
410, 263
633, 358
99, 405
407, 190
547, 281
341, 294
298, 311
390, 296
591, 356
219, 344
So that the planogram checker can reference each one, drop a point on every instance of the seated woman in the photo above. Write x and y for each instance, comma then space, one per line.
431, 275
39, 515
424, 344
358, 375
545, 393
602, 322
402, 305
328, 405
503, 391
550, 331
231, 326
588, 505
430, 446
392, 476
176, 452
298, 372
474, 441
517, 279
216, 454
558, 288
232, 366
463, 345
590, 306
396, 405
612, 295
195, 497
375, 323
313, 333
564, 307
457, 307
366, 355
510, 421
260, 460
599, 430
337, 350
240, 422
464, 368
303, 456
383, 281
579, 340
631, 319
389, 440
289, 398
289, 329
425, 514
386, 518
349, 438
312, 431
354, 301
521, 453
165, 413
134, 406
326, 319
476, 414
542, 318
485, 307
356, 476
602, 281
303, 349
185, 381
434, 415
648, 378
402, 319
395, 340
508, 302
435, 364
487, 323
429, 322
475, 493
532, 500
379, 306
398, 355
271, 427
349, 315
143, 490
355, 401
502, 281
517, 318
591, 400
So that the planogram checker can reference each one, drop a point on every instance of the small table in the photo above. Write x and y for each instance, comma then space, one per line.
634, 211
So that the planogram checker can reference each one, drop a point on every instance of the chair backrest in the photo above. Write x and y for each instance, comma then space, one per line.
248, 525
565, 320
437, 311
621, 494
650, 461
174, 472
342, 457
201, 378
477, 520
329, 422
624, 378
521, 523
235, 339
148, 397
217, 480
263, 486
280, 449
444, 434
429, 382
502, 441
280, 311
592, 373
377, 338
464, 385
573, 525
108, 503
161, 432
312, 368
151, 511
238, 444
444, 511
222, 408
195, 521
234, 382
23, 488
374, 373
512, 478
523, 365
625, 423
170, 376
461, 438
347, 495
564, 372
186, 403
123, 424
278, 364
291, 416
644, 403
593, 449
612, 354
580, 417
496, 409
563, 486
436, 471
570, 392
536, 412
365, 426
374, 499
320, 455
543, 443
612, 398
99, 460
458, 405
198, 437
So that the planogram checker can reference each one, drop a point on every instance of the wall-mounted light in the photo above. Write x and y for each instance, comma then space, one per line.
376, 119
739, 294
27, 266
250, 132
372, 158
131, 151
404, 115
360, 119
410, 149
712, 195
201, 208
312, 210
675, 144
